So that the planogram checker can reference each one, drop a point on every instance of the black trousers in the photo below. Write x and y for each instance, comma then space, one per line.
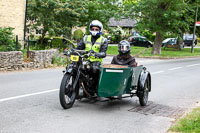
95, 73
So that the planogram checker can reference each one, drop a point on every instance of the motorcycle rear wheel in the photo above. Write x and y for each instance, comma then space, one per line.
67, 94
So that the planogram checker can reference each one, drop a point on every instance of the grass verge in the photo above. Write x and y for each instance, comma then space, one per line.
188, 124
113, 50
167, 53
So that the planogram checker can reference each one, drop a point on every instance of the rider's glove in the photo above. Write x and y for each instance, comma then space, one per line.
91, 51
92, 54
100, 55
96, 55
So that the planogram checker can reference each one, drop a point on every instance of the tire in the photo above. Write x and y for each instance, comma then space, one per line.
143, 97
67, 95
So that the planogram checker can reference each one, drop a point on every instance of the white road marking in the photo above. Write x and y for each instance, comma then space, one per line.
175, 68
27, 95
192, 65
157, 72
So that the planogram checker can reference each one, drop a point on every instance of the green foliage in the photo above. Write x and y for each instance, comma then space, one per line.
6, 36
59, 43
168, 53
7, 42
189, 124
24, 54
148, 35
60, 60
173, 53
161, 16
116, 36
78, 34
57, 17
101, 10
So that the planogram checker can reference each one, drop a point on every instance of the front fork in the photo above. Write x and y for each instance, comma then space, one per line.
70, 70
77, 77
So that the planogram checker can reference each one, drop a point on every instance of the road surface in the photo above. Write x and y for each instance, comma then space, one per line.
29, 102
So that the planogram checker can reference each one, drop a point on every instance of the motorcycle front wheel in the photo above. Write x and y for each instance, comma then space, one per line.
67, 94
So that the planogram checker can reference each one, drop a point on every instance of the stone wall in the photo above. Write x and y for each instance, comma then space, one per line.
12, 14
42, 58
10, 61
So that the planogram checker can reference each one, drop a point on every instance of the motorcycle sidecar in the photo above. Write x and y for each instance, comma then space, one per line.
116, 80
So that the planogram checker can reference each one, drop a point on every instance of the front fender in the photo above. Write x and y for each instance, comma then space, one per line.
143, 76
69, 69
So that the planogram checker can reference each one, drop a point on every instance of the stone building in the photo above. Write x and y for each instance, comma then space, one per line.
125, 23
12, 14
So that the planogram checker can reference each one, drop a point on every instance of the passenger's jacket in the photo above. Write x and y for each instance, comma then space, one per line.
125, 60
98, 44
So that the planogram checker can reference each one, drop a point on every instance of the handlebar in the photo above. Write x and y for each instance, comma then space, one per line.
81, 53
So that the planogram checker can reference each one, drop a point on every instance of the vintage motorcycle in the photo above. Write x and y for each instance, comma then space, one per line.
77, 81
114, 81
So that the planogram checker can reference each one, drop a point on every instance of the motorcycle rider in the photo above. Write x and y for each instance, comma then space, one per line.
95, 43
124, 58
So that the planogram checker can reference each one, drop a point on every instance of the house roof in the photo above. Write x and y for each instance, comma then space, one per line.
122, 23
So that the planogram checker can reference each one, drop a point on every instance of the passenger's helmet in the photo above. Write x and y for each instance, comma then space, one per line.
96, 23
124, 47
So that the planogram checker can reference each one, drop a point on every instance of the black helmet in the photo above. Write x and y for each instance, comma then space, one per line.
124, 47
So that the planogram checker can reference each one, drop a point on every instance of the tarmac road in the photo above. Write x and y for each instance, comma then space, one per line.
29, 102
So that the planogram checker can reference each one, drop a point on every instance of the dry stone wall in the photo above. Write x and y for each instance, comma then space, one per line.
10, 61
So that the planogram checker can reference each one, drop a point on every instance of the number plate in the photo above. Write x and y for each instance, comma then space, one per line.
74, 58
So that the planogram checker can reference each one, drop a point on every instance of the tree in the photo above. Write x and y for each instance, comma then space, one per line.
101, 10
55, 17
160, 17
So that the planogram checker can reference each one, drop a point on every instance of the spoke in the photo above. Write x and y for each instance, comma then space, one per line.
69, 86
67, 99
68, 91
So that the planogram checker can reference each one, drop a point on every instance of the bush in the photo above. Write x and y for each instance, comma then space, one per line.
57, 42
78, 34
116, 36
51, 42
35, 43
148, 35
7, 42
60, 60
62, 43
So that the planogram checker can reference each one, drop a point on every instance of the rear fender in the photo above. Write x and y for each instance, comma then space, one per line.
143, 77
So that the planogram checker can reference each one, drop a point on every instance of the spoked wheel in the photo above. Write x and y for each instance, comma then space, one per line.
67, 93
144, 93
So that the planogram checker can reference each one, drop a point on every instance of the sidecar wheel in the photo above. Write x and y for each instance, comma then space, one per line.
143, 96
67, 94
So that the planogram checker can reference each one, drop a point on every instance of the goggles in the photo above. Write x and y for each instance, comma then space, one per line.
95, 29
124, 48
